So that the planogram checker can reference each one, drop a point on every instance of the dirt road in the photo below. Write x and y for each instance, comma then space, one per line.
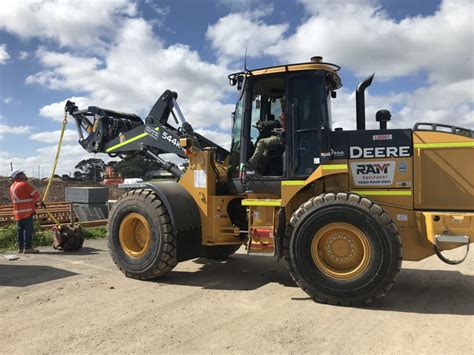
55, 302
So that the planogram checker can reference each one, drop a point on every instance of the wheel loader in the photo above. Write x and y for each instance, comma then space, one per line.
342, 208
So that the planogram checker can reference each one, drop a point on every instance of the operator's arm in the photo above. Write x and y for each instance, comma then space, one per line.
269, 125
32, 192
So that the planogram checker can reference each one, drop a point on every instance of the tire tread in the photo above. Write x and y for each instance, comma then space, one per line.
167, 260
355, 200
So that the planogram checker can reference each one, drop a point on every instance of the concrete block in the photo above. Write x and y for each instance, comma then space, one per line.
86, 194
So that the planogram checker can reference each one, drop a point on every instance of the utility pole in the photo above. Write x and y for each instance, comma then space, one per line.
11, 166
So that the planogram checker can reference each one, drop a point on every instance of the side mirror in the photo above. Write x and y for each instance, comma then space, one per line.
240, 82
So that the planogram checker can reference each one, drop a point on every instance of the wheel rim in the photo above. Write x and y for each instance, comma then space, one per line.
134, 234
341, 250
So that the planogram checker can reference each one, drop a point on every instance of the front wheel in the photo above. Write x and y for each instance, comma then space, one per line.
142, 240
343, 249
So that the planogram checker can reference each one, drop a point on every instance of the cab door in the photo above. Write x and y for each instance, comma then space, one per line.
308, 123
260, 102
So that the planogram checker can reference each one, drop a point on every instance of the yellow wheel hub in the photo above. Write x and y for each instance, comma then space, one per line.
134, 234
341, 251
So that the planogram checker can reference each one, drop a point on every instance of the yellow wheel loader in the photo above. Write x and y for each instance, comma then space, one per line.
343, 208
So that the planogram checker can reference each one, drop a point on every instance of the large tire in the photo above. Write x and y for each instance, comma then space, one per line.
343, 249
220, 252
142, 240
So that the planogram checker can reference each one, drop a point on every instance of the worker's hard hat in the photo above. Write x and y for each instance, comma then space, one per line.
15, 173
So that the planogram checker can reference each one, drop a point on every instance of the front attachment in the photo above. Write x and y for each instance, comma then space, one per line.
68, 238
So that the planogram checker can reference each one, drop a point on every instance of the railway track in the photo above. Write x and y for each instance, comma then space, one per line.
60, 210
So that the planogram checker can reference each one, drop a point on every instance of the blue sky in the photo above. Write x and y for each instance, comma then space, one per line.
122, 54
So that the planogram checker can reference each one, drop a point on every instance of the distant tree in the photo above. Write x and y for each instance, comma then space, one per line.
77, 175
91, 169
135, 167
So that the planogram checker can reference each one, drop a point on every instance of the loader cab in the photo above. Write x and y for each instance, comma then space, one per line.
287, 111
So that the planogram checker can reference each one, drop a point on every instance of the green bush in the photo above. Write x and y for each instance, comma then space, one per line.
94, 232
42, 238
8, 237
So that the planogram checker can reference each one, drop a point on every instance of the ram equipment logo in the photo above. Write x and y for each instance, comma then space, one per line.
373, 173
372, 168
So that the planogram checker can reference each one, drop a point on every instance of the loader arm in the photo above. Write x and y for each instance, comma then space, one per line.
119, 134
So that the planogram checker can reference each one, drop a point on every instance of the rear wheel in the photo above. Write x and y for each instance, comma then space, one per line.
142, 240
343, 249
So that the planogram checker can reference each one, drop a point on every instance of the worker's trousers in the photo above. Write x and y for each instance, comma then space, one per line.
25, 233
262, 146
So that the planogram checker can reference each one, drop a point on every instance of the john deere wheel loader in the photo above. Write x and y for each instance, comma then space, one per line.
343, 208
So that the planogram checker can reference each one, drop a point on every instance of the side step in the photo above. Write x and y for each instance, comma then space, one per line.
263, 222
446, 238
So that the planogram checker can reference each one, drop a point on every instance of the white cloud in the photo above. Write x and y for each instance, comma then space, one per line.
112, 82
4, 56
43, 158
4, 154
221, 138
8, 100
65, 65
5, 129
67, 150
66, 22
234, 32
450, 104
362, 38
22, 55
130, 66
44, 161
53, 137
243, 5
55, 110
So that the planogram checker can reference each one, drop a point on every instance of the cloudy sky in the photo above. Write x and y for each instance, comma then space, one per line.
122, 55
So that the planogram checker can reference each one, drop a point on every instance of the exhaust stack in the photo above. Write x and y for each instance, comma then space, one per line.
360, 101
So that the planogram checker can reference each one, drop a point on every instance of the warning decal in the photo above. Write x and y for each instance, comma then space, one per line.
199, 179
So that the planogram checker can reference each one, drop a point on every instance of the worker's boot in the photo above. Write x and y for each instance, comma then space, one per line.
20, 250
31, 251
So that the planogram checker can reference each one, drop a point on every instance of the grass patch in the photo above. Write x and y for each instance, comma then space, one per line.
42, 238
95, 232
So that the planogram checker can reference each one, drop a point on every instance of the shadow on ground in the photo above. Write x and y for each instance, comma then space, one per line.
415, 291
26, 275
82, 251
430, 292
239, 272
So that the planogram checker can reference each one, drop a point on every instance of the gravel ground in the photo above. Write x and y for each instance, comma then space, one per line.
79, 302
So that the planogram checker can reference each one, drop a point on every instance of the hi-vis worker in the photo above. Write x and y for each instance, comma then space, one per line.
24, 198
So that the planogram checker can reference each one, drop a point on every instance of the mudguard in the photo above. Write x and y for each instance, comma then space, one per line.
184, 214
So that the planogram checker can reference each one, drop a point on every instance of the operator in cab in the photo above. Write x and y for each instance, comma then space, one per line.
263, 144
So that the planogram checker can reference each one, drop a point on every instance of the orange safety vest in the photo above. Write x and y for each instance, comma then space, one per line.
23, 196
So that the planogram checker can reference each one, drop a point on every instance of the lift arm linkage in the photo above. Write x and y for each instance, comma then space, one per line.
117, 133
